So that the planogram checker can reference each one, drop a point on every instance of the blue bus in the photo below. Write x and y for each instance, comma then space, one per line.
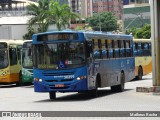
71, 61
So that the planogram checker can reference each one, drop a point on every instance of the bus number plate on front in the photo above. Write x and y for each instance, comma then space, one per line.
59, 85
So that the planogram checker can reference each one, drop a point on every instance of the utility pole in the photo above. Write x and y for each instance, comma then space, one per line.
155, 37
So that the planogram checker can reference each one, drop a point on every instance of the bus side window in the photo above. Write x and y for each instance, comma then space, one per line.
110, 48
89, 48
146, 49
135, 48
106, 46
13, 56
121, 46
104, 51
116, 49
131, 47
100, 48
150, 49
128, 48
19, 48
96, 54
139, 51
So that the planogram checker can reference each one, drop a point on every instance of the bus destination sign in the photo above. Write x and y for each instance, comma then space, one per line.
58, 36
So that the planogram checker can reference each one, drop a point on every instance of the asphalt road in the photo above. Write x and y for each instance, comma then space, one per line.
24, 98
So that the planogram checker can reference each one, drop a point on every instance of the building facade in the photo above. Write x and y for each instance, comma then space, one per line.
83, 7
127, 2
13, 19
136, 15
114, 6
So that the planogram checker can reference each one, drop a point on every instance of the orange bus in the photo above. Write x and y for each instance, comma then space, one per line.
10, 64
143, 57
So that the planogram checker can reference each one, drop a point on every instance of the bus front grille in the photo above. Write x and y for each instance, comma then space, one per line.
59, 87
51, 80
58, 74
63, 80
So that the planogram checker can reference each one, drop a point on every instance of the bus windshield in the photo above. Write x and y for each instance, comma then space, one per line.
27, 58
3, 58
59, 55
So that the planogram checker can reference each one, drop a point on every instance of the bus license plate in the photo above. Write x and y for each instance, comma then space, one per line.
59, 85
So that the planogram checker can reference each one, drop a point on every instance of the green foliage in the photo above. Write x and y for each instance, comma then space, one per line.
144, 32
48, 12
61, 14
106, 20
39, 13
131, 31
79, 28
28, 36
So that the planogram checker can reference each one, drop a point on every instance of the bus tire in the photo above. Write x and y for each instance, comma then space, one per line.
120, 87
20, 82
94, 93
52, 95
140, 73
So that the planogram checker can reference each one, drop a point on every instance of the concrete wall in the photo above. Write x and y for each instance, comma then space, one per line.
12, 31
17, 31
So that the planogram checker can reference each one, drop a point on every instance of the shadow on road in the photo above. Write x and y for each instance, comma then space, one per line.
27, 86
81, 96
134, 80
14, 85
8, 85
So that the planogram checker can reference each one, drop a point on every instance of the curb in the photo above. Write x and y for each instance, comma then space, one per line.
148, 89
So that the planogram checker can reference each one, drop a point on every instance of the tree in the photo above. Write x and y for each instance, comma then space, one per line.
79, 28
106, 20
144, 32
131, 31
39, 13
28, 35
61, 15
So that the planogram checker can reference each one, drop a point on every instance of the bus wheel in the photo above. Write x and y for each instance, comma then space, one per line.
119, 88
20, 82
94, 93
140, 73
52, 95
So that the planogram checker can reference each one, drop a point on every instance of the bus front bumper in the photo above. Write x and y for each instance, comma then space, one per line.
66, 87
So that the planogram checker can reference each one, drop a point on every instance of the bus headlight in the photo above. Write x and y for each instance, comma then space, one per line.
81, 77
40, 80
37, 80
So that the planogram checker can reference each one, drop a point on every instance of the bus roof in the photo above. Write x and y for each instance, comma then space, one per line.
9, 41
94, 35
27, 41
90, 36
142, 40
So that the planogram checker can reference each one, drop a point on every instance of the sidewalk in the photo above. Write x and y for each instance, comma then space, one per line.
147, 89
